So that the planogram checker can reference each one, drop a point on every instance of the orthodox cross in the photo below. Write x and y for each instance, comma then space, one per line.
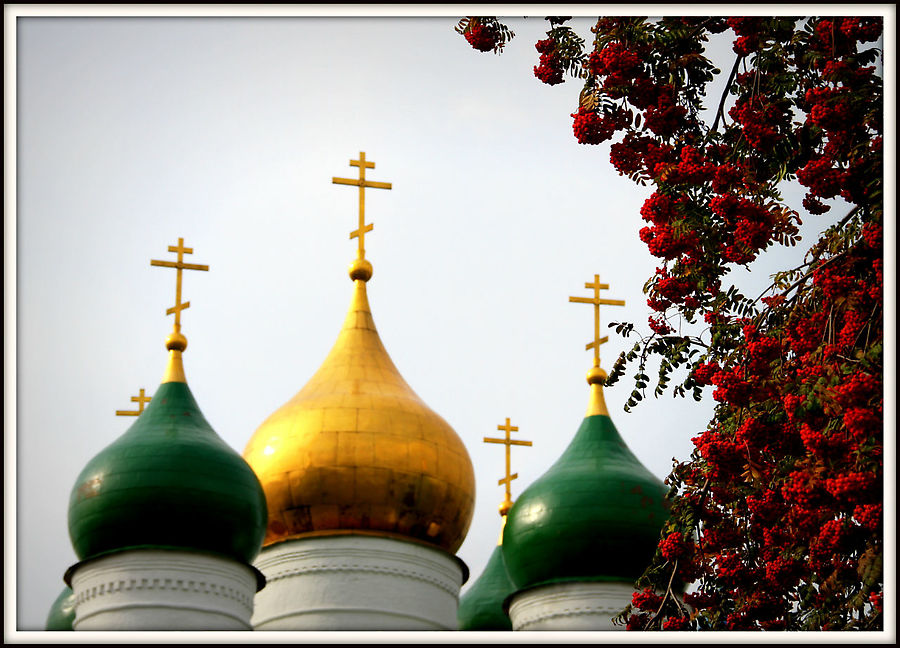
362, 183
179, 266
508, 442
596, 301
140, 400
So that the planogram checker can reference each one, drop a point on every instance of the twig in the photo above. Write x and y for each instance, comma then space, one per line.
842, 222
731, 76
666, 595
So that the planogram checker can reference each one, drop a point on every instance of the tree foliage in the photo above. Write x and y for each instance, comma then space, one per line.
777, 518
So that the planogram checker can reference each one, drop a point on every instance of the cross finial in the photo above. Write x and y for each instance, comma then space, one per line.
179, 266
508, 442
141, 399
596, 301
362, 183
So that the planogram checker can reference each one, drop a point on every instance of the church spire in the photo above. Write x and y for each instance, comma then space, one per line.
507, 480
597, 376
361, 268
176, 343
481, 607
141, 400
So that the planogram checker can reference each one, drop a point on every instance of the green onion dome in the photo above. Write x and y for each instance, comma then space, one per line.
595, 515
481, 607
169, 482
62, 612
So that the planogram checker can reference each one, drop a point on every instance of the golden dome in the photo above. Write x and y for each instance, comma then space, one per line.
357, 451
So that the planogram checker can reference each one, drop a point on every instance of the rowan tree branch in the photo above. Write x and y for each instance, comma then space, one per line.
721, 108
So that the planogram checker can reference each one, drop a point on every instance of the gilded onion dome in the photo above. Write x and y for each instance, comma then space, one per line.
357, 451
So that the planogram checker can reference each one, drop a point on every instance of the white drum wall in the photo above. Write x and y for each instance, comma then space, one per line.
163, 590
357, 582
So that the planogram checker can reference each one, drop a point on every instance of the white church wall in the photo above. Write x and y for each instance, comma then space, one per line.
163, 590
570, 606
357, 582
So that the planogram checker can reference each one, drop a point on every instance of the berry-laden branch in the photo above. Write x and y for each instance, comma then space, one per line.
777, 515
484, 33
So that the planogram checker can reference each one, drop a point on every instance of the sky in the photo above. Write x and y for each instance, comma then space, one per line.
132, 132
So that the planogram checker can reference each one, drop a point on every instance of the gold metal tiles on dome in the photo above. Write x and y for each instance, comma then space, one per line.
356, 450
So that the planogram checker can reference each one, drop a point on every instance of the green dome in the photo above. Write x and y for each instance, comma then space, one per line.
62, 612
596, 514
481, 607
169, 482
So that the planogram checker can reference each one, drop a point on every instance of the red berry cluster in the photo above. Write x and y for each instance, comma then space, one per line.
694, 168
646, 600
869, 516
673, 547
676, 623
807, 333
749, 227
822, 178
763, 123
704, 372
662, 239
550, 70
852, 486
483, 37
873, 235
619, 72
749, 31
722, 455
660, 326
665, 118
590, 127
854, 322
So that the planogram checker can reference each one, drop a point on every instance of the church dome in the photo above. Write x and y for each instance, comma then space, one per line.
481, 607
62, 612
357, 451
169, 482
595, 515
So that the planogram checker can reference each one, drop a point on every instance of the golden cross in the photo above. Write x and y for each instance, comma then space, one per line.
179, 266
508, 442
140, 400
362, 183
596, 301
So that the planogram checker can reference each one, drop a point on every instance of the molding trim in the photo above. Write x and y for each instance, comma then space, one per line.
376, 556
163, 584
570, 606
167, 590
357, 583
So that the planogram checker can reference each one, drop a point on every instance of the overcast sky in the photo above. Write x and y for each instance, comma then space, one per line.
133, 132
